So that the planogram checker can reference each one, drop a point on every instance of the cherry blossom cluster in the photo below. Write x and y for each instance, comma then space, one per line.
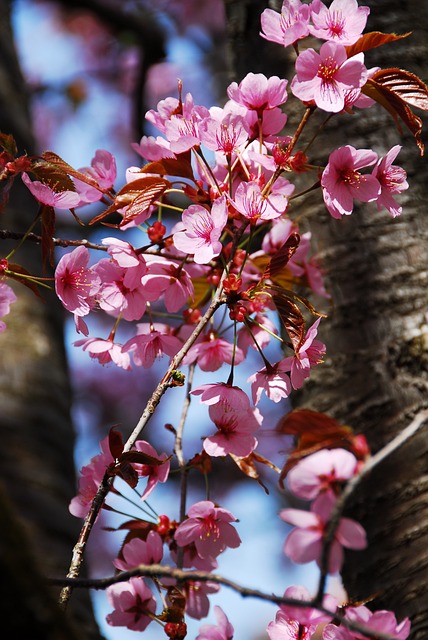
204, 284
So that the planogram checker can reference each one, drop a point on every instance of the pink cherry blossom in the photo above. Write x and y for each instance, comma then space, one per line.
211, 353
203, 230
342, 183
165, 110
220, 392
321, 471
223, 630
197, 602
209, 528
133, 603
44, 194
285, 628
191, 558
305, 542
75, 284
138, 551
235, 427
150, 343
274, 381
307, 615
254, 206
343, 21
153, 149
153, 472
166, 278
258, 93
310, 354
124, 255
105, 351
103, 171
326, 77
182, 129
286, 27
392, 179
228, 134
91, 477
121, 291
379, 621
7, 296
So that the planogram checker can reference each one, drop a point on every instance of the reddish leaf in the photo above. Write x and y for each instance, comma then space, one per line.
395, 89
406, 85
313, 431
292, 319
47, 217
180, 166
57, 161
52, 175
281, 257
115, 443
127, 472
372, 40
247, 466
138, 195
140, 457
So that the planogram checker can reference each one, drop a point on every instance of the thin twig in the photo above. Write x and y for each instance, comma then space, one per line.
157, 571
178, 450
404, 435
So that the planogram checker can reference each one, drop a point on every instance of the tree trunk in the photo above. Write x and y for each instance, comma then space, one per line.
376, 373
37, 477
375, 377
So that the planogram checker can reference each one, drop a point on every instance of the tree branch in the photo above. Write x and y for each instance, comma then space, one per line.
418, 421
158, 571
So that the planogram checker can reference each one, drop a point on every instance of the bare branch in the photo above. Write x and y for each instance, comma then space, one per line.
418, 421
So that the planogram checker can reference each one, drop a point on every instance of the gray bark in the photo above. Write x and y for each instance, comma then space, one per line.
375, 377
376, 373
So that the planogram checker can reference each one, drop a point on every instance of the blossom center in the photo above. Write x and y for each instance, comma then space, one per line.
226, 138
210, 528
327, 69
74, 279
203, 227
336, 24
351, 178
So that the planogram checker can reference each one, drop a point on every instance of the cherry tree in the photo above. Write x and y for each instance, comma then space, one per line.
199, 292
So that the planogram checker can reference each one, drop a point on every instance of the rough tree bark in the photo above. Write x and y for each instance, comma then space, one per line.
37, 477
375, 377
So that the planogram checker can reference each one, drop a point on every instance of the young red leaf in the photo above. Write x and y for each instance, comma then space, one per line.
247, 466
404, 84
138, 195
57, 161
115, 443
395, 89
128, 474
313, 431
281, 257
52, 175
141, 458
180, 166
292, 319
372, 40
